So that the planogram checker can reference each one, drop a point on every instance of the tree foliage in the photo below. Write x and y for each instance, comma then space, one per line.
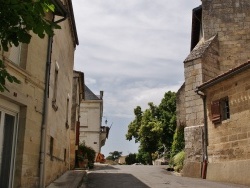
131, 159
155, 126
17, 19
114, 155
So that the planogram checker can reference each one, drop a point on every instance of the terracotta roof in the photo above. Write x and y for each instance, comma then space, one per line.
89, 95
225, 76
199, 50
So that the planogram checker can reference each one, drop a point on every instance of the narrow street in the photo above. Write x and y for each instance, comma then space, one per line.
143, 176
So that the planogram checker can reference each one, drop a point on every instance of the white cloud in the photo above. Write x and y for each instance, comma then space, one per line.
133, 50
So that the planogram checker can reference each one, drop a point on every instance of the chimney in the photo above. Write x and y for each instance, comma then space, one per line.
101, 94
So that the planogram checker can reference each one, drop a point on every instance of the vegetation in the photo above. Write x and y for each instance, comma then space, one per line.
114, 155
131, 159
17, 19
178, 142
86, 153
178, 161
154, 127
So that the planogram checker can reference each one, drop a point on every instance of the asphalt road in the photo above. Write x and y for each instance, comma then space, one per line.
143, 176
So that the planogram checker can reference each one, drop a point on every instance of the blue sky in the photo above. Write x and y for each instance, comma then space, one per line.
133, 50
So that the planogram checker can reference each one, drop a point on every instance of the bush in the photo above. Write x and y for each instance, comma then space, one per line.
178, 141
178, 161
85, 152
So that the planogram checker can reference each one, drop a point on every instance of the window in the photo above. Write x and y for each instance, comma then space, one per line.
15, 54
65, 155
51, 148
54, 105
220, 110
8, 142
18, 54
67, 112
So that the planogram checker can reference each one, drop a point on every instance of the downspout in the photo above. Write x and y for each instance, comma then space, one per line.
205, 142
45, 107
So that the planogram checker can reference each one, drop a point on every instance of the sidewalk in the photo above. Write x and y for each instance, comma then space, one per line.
70, 179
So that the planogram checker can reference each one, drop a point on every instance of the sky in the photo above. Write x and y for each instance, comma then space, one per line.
133, 50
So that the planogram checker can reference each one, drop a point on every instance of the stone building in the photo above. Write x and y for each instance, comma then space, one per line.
219, 42
35, 115
92, 133
77, 96
227, 121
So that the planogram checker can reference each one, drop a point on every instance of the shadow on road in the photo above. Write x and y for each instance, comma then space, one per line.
104, 167
113, 180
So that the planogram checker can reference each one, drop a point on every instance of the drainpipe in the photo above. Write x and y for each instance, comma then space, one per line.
46, 99
205, 142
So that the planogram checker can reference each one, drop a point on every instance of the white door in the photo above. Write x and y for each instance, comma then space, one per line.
8, 137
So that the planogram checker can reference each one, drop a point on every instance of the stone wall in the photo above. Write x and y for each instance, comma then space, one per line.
229, 141
230, 20
180, 107
210, 61
29, 96
59, 120
193, 102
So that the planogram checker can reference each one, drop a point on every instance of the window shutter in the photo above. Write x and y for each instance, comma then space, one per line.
215, 110
77, 132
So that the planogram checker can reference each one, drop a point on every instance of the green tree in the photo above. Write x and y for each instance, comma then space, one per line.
167, 115
17, 19
131, 159
143, 157
114, 155
155, 126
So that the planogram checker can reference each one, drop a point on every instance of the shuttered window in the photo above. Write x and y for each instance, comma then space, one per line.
220, 110
215, 109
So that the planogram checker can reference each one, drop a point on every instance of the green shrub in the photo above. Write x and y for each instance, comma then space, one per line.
178, 161
178, 141
85, 152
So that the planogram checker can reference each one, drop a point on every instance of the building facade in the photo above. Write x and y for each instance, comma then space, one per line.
35, 116
219, 42
227, 123
77, 96
92, 133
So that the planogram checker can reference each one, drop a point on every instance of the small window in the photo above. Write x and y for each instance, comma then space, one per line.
224, 104
51, 147
15, 54
220, 110
67, 112
65, 155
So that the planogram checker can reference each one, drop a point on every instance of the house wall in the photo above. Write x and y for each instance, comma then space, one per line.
229, 141
75, 117
90, 124
231, 21
194, 119
228, 22
59, 121
28, 95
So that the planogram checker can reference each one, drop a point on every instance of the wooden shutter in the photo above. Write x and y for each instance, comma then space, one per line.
215, 110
